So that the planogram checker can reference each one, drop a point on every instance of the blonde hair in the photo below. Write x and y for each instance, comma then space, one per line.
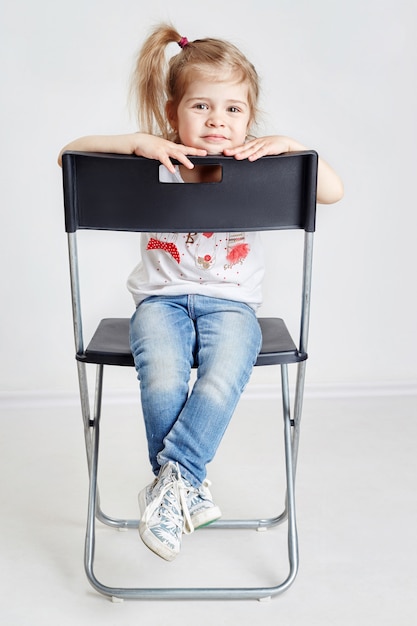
155, 80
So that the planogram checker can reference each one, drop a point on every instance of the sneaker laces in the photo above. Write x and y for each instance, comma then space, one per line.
203, 491
183, 492
173, 489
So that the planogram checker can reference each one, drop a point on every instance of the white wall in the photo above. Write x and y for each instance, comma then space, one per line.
338, 76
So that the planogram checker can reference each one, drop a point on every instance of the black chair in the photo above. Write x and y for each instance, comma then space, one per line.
123, 193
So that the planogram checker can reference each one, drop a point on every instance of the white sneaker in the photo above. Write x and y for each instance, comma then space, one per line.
200, 505
163, 507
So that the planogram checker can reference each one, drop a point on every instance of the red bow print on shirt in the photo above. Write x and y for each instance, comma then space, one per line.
171, 248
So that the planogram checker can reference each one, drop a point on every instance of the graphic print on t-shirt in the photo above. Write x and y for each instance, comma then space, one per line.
205, 254
164, 241
205, 247
237, 249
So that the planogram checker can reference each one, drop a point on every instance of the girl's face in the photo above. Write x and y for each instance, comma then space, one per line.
212, 115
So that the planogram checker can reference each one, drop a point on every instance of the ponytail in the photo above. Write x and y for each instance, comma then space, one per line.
148, 85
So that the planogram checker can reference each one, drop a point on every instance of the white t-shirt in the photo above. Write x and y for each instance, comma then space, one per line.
219, 265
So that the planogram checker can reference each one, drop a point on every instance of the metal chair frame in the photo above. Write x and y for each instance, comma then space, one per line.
101, 191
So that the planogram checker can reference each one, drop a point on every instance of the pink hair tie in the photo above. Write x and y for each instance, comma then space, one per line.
183, 42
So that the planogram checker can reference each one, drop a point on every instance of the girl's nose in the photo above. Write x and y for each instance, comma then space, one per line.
215, 119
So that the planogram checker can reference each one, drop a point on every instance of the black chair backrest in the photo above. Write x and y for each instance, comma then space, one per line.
123, 192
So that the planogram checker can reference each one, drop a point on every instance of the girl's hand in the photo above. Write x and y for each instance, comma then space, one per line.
263, 146
162, 150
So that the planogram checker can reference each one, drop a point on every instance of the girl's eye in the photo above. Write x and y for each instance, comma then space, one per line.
201, 106
234, 109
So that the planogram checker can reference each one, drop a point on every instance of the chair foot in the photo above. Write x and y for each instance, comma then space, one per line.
265, 599
117, 600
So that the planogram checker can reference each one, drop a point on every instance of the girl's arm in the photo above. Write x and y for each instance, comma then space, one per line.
141, 144
329, 184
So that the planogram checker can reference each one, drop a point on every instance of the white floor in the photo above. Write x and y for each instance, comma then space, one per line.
357, 520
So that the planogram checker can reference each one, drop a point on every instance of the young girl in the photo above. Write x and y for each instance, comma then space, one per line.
197, 293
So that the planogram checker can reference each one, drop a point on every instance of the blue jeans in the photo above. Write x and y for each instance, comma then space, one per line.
168, 335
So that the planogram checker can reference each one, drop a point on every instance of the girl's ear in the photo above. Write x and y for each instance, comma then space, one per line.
171, 113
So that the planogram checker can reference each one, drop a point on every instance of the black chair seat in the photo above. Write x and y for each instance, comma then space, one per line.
110, 344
